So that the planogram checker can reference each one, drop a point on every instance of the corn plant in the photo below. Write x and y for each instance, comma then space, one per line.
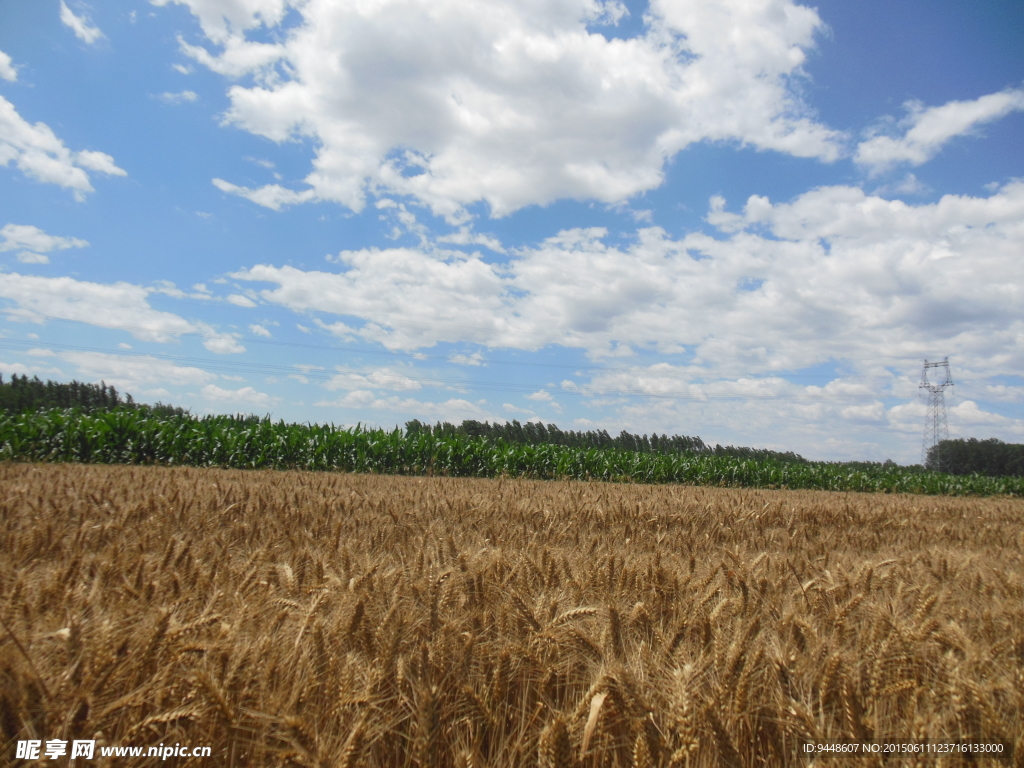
123, 436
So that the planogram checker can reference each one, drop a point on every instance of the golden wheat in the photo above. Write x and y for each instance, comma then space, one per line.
300, 619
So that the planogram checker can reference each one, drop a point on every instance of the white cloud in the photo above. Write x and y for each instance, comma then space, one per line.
516, 103
908, 185
510, 408
908, 417
167, 288
381, 378
25, 236
835, 274
475, 359
98, 161
271, 196
8, 71
222, 20
80, 25
425, 293
970, 414
222, 343
39, 154
133, 373
357, 398
120, 305
467, 237
453, 410
870, 413
246, 396
28, 370
928, 129
259, 330
178, 98
238, 58
541, 395
1005, 393
27, 257
241, 301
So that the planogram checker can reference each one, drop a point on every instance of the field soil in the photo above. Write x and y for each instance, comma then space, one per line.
322, 619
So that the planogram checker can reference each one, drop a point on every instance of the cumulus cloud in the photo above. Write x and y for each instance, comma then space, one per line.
928, 129
246, 396
35, 242
454, 410
180, 97
835, 273
259, 330
117, 304
39, 154
475, 359
514, 103
970, 414
272, 196
8, 71
465, 236
381, 378
134, 373
241, 301
870, 413
112, 305
27, 257
80, 25
98, 161
222, 20
1004, 393
33, 369
357, 398
222, 343
427, 293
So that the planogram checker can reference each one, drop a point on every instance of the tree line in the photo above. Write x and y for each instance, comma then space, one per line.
22, 394
991, 457
538, 433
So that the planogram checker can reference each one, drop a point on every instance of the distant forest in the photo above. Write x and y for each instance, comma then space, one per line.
991, 457
22, 394
537, 433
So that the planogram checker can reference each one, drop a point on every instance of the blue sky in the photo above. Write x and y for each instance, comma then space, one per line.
747, 220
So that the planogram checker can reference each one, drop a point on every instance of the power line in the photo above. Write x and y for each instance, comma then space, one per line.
418, 356
383, 380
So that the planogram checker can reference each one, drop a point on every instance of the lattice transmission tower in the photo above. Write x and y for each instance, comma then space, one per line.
935, 427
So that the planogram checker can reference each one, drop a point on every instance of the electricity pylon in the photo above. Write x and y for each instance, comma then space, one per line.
935, 427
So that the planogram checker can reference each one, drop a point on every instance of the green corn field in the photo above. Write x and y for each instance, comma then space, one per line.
248, 442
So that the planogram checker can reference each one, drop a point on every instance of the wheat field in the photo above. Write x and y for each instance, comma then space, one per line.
324, 619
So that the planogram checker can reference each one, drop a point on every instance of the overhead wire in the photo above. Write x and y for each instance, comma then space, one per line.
390, 380
417, 356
